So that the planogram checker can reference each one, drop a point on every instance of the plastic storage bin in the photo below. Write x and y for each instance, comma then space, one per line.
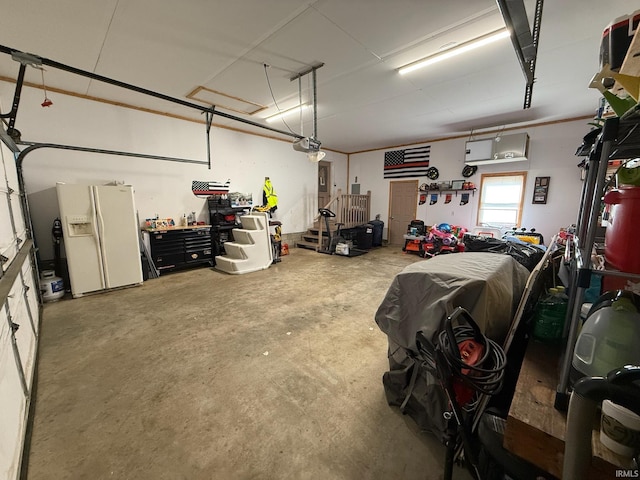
550, 316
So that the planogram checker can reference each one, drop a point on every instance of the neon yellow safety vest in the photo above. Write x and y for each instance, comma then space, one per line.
270, 196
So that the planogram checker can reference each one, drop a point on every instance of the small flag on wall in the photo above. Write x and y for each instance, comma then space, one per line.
410, 162
209, 188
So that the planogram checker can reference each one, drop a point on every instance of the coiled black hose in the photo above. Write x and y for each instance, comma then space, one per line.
485, 376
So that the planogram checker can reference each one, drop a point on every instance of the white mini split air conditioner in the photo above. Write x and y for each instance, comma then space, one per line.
501, 149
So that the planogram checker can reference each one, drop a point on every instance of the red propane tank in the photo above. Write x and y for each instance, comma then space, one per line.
623, 234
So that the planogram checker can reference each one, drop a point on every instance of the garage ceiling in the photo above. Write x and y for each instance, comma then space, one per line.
176, 48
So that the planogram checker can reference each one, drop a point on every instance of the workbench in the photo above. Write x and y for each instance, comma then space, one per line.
535, 430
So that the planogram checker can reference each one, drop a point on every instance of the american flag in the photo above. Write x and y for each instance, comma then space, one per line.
210, 188
410, 162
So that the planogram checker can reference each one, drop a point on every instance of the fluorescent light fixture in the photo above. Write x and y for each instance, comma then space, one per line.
452, 52
286, 113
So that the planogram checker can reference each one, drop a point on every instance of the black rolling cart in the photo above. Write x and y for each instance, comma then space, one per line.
223, 219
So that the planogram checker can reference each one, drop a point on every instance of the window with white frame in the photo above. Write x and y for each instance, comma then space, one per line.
501, 199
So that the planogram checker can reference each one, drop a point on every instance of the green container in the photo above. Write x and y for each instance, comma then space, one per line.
551, 311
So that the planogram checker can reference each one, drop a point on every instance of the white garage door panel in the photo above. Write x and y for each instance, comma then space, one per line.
8, 172
12, 405
16, 227
32, 293
18, 219
22, 301
10, 168
25, 337
7, 239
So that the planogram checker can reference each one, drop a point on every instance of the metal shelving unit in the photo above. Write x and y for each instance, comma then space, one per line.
618, 139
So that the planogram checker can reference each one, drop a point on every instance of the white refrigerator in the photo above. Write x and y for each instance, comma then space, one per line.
101, 236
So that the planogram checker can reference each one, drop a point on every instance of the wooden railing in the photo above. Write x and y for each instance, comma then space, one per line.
351, 210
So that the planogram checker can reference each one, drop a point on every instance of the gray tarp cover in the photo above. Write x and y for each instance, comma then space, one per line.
487, 285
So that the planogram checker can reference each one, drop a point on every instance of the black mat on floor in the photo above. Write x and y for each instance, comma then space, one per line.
355, 252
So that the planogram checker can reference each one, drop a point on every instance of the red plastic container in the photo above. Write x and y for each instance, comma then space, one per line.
622, 238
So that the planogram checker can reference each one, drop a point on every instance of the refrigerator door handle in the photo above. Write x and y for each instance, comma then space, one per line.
99, 235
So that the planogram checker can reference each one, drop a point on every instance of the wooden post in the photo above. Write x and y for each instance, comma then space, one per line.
368, 209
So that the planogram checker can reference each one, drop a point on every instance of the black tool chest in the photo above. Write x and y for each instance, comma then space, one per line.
181, 247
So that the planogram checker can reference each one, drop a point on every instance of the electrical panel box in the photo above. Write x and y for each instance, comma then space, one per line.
479, 150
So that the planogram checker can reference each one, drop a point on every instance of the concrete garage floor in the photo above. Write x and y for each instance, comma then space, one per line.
203, 375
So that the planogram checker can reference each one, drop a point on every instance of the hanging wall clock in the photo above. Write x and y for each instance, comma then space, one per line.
469, 170
433, 173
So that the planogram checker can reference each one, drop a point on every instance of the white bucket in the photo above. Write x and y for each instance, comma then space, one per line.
620, 429
52, 287
342, 249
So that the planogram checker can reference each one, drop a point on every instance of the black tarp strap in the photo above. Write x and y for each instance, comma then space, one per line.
412, 384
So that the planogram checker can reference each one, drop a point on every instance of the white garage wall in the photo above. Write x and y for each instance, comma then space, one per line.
551, 153
162, 188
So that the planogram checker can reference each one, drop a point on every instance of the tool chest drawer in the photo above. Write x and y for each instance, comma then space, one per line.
180, 247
